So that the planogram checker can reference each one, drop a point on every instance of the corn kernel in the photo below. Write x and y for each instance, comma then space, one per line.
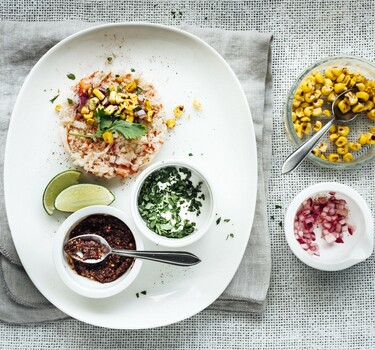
358, 108
319, 77
332, 96
112, 97
57, 108
317, 125
171, 122
131, 86
129, 104
309, 97
348, 157
363, 139
307, 85
305, 119
322, 156
336, 71
359, 77
343, 150
315, 152
327, 112
352, 98
329, 74
178, 111
323, 147
352, 82
306, 128
317, 112
318, 103
334, 158
308, 111
111, 88
85, 110
109, 109
296, 103
361, 86
88, 116
343, 106
346, 79
332, 129
130, 118
326, 90
98, 94
340, 87
198, 105
328, 82
340, 78
343, 130
371, 114
372, 130
107, 137
355, 146
294, 117
90, 121
304, 105
333, 137
148, 105
341, 141
93, 102
370, 139
363, 95
369, 105
149, 116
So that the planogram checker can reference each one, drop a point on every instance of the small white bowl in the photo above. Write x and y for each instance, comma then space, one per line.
83, 285
203, 221
334, 257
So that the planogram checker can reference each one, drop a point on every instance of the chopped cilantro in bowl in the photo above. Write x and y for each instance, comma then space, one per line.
172, 203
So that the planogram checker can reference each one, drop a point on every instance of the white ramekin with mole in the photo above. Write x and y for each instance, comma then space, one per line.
113, 274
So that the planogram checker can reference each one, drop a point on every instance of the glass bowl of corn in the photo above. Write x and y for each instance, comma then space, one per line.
309, 104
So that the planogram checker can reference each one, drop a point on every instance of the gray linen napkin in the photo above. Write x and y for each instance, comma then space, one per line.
248, 53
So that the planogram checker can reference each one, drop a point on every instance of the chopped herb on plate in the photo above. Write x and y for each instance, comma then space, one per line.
70, 101
71, 76
218, 221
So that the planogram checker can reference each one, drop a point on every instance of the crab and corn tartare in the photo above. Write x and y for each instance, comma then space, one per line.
112, 124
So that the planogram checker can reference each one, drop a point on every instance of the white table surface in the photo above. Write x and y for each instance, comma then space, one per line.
307, 309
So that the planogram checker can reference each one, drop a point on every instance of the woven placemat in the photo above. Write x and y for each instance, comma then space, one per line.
307, 309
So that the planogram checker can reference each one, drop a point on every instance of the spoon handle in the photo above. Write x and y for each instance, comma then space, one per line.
173, 258
296, 158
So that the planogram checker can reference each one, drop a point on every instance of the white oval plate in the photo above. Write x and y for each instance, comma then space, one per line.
183, 68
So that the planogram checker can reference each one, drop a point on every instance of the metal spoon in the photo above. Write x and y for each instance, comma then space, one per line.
296, 158
169, 257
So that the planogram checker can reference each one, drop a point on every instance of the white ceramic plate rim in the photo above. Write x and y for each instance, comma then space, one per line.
311, 191
17, 240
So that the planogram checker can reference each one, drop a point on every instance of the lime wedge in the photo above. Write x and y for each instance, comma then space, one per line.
60, 182
83, 195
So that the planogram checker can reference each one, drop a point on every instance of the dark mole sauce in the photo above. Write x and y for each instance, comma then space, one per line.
117, 234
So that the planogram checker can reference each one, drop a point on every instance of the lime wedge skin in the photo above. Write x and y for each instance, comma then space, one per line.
57, 184
79, 196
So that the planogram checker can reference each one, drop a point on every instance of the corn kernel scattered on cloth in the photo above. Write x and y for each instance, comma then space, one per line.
248, 53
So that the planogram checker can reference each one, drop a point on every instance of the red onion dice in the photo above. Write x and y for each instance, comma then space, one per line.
329, 213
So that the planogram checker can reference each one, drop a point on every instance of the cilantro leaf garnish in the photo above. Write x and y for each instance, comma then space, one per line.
71, 76
128, 130
106, 122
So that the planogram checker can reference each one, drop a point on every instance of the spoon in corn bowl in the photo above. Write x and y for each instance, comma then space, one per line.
297, 157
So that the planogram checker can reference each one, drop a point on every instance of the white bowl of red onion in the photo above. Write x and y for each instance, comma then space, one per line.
329, 227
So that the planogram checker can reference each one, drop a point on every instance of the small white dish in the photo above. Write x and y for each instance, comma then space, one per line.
83, 285
334, 257
203, 221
